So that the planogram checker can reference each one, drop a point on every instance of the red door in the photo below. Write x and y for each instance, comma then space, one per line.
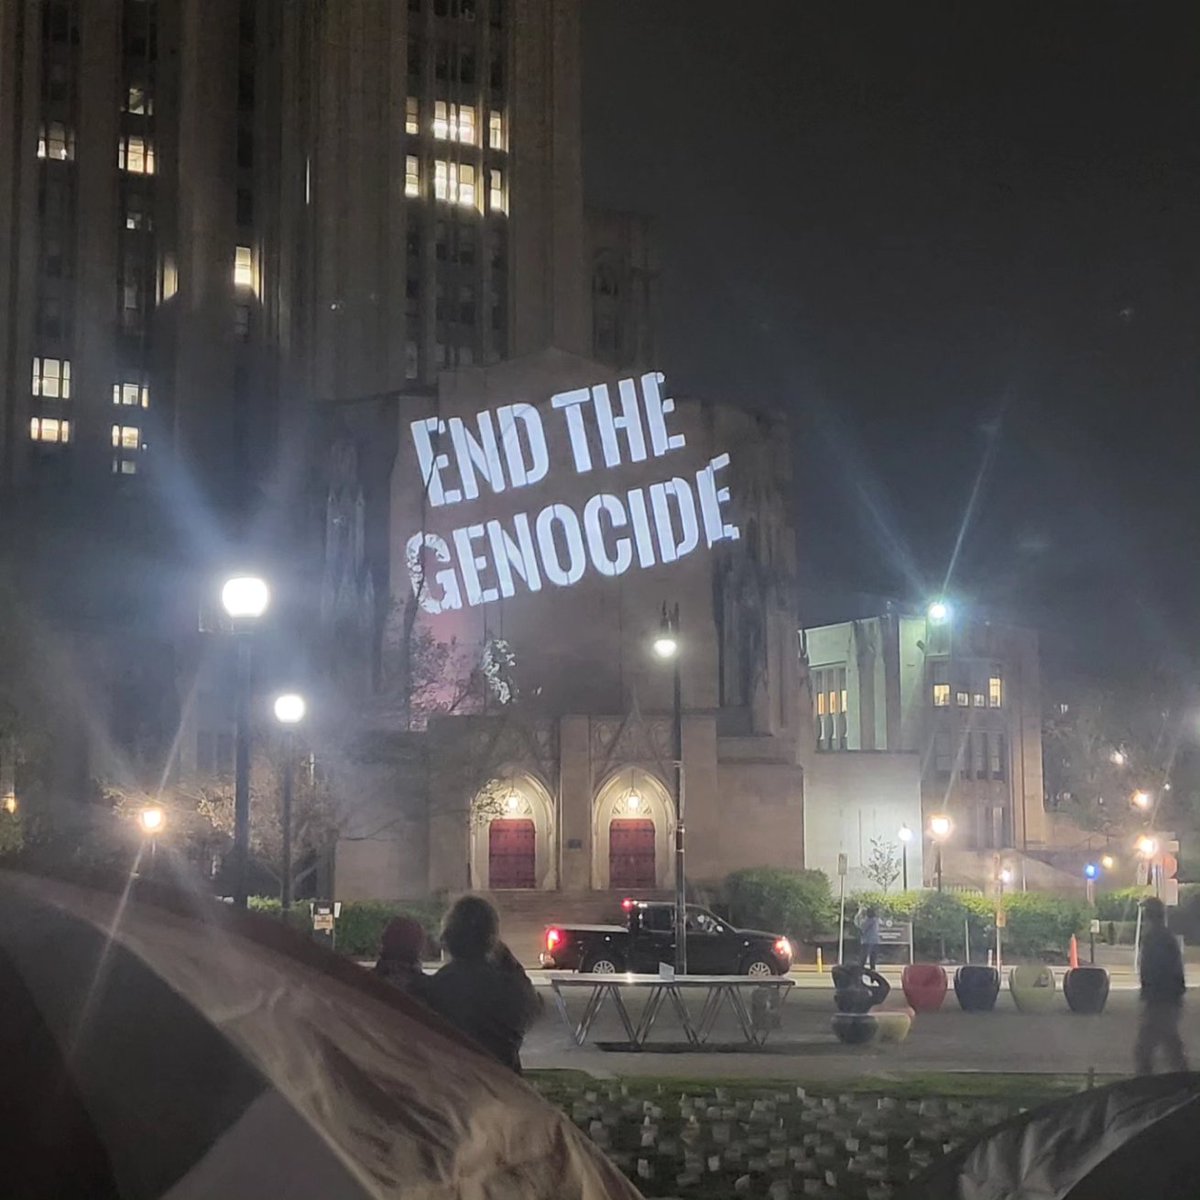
631, 855
511, 854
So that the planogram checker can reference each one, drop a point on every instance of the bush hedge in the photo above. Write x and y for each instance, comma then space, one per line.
362, 922
1038, 924
797, 903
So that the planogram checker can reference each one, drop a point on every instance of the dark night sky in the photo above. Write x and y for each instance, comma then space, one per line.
939, 236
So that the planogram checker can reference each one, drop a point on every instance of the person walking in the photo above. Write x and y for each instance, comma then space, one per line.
483, 990
1161, 967
400, 948
868, 936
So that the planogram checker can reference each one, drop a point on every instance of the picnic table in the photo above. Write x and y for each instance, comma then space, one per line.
719, 990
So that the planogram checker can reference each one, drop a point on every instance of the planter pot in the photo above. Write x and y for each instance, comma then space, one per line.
855, 1029
1086, 989
924, 986
857, 989
894, 1024
977, 988
1033, 989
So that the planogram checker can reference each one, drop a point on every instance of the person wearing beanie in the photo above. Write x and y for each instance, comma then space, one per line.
400, 951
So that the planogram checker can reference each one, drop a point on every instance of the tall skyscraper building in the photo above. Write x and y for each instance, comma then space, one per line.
220, 214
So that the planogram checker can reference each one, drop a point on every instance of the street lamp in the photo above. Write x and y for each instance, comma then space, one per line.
938, 612
289, 712
1090, 871
245, 598
1108, 862
666, 646
1141, 800
152, 820
939, 829
905, 835
1117, 758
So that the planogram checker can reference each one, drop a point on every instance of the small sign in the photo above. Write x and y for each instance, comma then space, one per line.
1095, 924
323, 914
1170, 892
841, 864
1143, 873
1001, 919
895, 933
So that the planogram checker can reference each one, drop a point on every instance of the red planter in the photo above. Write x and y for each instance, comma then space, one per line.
924, 986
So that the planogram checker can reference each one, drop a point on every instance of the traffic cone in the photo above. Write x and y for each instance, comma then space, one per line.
1074, 952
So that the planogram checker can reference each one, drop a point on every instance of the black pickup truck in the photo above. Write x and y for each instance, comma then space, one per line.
713, 946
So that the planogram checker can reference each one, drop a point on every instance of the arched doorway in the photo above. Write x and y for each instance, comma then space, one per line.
512, 835
632, 830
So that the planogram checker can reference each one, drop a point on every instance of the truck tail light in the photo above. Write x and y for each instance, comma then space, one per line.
783, 948
627, 904
553, 938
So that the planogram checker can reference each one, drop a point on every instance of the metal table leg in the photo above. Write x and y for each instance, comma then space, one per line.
649, 1015
682, 1013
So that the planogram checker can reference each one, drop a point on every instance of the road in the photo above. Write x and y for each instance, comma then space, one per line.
804, 1048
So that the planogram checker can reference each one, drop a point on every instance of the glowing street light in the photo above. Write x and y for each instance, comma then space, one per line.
1141, 800
152, 820
1108, 862
9, 803
1006, 876
938, 612
1118, 758
290, 708
905, 835
1146, 846
940, 827
245, 598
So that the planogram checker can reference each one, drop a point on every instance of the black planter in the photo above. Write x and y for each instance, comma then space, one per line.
857, 989
1086, 989
977, 988
855, 1029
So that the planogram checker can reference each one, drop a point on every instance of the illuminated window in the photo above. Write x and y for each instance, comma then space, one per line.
454, 182
52, 378
496, 130
243, 267
49, 429
454, 122
496, 200
412, 115
962, 699
126, 437
821, 709
941, 695
412, 176
139, 101
56, 141
131, 395
124, 466
135, 154
995, 692
980, 700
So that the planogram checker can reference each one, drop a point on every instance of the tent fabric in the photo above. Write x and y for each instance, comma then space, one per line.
215, 1056
1136, 1137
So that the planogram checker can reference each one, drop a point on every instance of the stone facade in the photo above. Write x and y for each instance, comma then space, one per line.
577, 768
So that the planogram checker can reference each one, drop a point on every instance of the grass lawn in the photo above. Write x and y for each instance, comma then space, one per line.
708, 1138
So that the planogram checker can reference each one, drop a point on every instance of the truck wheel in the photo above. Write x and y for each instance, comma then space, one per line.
758, 968
602, 964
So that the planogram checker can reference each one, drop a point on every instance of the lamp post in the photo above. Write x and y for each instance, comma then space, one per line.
289, 712
151, 820
1003, 876
666, 646
939, 829
905, 835
245, 599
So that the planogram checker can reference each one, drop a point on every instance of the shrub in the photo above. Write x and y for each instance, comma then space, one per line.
362, 922
798, 903
1038, 922
1120, 904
